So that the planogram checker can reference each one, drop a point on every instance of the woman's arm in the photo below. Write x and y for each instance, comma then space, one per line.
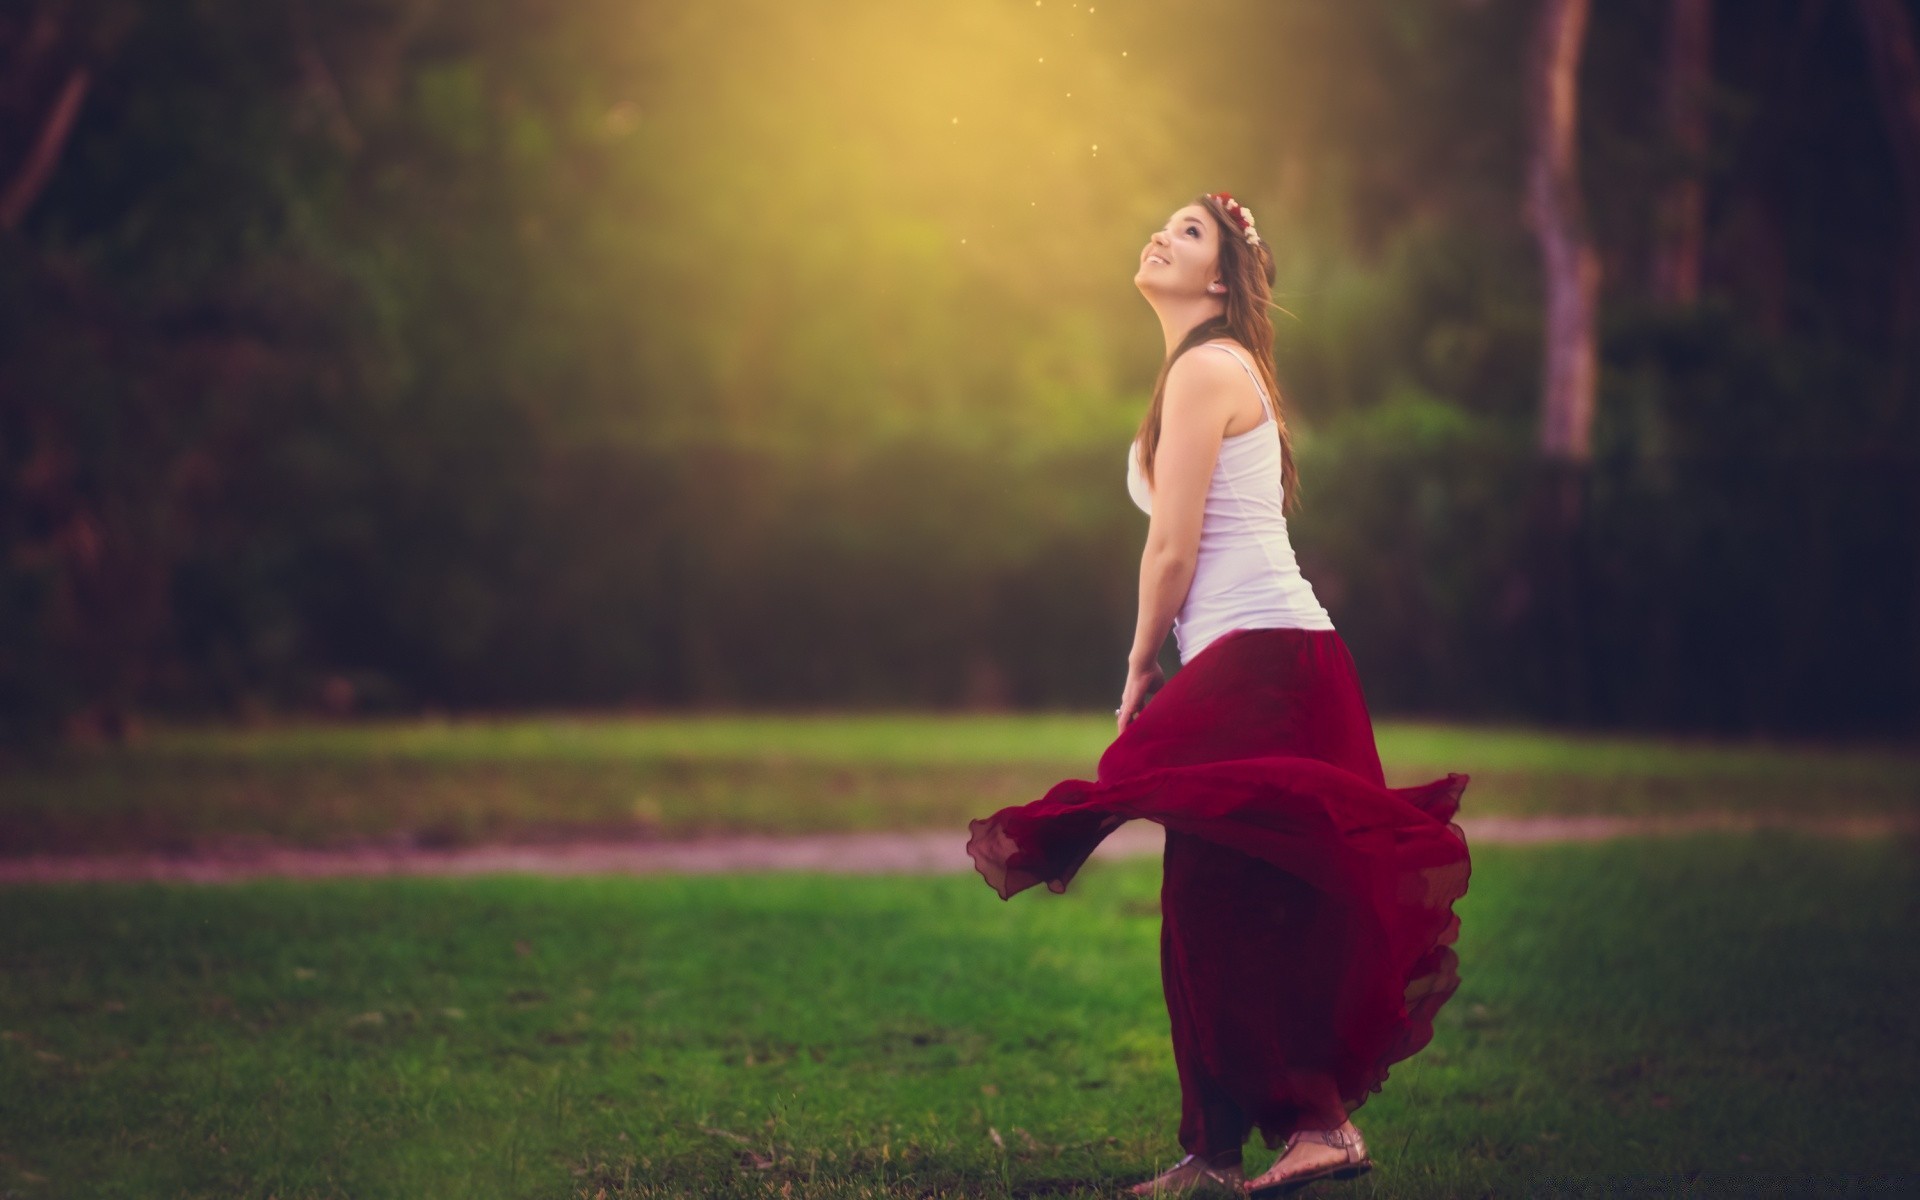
1199, 402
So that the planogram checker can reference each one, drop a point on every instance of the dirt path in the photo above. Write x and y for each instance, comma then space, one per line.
920, 852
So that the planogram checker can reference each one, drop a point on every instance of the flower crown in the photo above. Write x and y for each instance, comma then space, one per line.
1241, 214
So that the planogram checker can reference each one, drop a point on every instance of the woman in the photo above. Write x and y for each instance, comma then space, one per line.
1306, 908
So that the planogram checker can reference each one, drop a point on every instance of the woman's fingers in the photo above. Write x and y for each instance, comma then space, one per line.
1142, 683
1131, 702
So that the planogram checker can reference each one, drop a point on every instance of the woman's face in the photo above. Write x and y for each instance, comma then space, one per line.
1182, 258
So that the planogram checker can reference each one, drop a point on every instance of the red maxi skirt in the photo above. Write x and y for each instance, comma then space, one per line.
1307, 924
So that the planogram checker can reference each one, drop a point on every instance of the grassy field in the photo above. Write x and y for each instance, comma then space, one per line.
452, 783
1708, 1015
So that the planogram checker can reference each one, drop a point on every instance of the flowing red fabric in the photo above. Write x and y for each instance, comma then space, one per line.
1307, 923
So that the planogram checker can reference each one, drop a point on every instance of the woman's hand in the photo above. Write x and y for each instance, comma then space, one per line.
1141, 681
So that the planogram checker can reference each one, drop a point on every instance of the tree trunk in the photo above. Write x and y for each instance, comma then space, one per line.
1680, 218
1557, 217
1571, 277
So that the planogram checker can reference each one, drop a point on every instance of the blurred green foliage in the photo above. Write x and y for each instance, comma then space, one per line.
401, 353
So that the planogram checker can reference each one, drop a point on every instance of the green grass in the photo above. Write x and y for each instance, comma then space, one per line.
450, 783
1725, 1010
947, 740
442, 783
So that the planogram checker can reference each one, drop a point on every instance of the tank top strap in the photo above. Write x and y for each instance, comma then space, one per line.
1265, 401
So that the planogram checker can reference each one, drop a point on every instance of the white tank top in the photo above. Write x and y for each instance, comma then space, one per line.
1245, 576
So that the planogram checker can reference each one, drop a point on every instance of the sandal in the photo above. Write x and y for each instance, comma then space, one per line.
1191, 1174
1354, 1161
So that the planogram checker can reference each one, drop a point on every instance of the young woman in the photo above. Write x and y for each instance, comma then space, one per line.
1307, 921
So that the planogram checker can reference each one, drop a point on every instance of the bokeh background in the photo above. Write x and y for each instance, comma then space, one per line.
649, 438
378, 356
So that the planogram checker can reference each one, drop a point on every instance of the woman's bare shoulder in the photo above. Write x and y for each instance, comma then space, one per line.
1194, 367
1201, 384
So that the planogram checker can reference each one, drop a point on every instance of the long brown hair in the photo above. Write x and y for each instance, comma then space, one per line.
1247, 272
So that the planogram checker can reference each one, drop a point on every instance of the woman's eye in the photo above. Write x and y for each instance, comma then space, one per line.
1194, 230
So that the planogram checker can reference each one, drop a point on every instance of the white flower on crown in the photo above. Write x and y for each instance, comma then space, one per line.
1244, 215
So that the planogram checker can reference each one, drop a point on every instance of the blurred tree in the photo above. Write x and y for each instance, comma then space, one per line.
97, 596
1680, 226
1894, 58
1893, 55
394, 353
44, 77
1556, 212
1571, 281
